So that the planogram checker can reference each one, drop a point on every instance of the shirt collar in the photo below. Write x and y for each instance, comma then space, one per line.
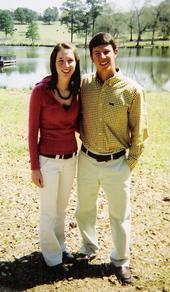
101, 82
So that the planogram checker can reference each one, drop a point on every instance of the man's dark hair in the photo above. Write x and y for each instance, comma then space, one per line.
101, 38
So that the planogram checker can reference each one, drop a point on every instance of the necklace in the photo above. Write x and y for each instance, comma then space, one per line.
63, 97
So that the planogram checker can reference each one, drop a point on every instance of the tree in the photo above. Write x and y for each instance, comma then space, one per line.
82, 25
19, 15
111, 22
30, 15
131, 24
32, 32
95, 9
164, 19
6, 22
50, 15
142, 17
154, 21
70, 9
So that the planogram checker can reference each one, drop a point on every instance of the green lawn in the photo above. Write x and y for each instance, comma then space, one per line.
13, 124
48, 35
54, 33
21, 267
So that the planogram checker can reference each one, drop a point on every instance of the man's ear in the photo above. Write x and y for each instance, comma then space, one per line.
116, 51
91, 57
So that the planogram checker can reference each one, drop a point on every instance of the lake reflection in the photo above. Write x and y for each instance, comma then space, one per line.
149, 67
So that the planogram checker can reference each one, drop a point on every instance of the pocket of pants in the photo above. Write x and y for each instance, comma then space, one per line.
43, 161
127, 166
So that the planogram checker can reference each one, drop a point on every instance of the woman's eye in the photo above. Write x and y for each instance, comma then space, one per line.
60, 61
70, 61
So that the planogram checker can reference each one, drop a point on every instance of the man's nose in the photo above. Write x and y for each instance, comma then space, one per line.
102, 55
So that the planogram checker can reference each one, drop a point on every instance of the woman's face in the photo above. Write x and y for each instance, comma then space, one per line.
65, 63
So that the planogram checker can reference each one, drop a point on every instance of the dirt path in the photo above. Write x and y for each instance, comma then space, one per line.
21, 264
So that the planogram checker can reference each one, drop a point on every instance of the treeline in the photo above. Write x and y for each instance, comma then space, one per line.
90, 16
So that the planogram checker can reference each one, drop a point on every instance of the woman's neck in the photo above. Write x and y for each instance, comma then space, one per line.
63, 85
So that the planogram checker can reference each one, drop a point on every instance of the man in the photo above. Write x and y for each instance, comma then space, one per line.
113, 130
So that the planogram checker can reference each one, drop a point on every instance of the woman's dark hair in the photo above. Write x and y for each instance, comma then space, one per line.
101, 38
74, 84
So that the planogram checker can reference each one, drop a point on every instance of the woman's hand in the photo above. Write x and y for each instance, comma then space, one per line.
37, 178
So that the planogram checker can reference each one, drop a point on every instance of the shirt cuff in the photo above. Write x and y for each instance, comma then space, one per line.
131, 162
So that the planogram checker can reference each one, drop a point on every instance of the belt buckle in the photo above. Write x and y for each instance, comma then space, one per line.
59, 156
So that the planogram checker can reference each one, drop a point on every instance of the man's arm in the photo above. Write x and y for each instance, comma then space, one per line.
138, 127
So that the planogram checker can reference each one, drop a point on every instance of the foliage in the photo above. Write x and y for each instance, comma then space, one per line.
32, 32
6, 22
85, 17
25, 15
50, 15
70, 10
164, 18
19, 15
95, 9
113, 23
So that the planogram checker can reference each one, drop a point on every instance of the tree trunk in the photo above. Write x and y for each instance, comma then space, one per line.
93, 26
138, 39
153, 37
131, 34
72, 27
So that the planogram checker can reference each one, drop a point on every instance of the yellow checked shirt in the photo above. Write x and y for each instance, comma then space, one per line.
113, 116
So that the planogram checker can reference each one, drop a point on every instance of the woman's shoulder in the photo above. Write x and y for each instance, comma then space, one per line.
44, 83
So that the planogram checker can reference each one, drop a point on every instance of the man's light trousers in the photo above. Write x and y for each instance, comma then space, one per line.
58, 176
114, 177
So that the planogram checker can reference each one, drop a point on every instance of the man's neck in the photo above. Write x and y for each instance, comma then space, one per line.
103, 76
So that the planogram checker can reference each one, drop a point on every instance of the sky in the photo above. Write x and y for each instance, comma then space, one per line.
41, 5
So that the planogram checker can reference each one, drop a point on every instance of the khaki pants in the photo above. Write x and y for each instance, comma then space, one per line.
114, 177
58, 176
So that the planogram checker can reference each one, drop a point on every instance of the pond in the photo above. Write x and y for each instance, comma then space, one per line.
149, 67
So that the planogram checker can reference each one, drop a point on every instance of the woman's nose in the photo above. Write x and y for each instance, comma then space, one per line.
66, 64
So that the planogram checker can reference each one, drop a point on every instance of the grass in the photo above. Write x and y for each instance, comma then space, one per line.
56, 32
158, 122
21, 267
48, 35
13, 120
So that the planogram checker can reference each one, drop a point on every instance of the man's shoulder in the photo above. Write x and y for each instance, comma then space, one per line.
88, 78
132, 84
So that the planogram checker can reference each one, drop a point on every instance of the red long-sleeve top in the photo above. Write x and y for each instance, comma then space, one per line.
51, 127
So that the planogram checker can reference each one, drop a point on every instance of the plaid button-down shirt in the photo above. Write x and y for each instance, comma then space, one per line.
113, 116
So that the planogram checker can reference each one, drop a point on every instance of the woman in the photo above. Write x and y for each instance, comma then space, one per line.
53, 119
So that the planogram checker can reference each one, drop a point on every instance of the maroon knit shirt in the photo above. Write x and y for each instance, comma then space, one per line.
51, 127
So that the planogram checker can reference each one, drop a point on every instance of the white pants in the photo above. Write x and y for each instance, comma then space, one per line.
58, 176
114, 177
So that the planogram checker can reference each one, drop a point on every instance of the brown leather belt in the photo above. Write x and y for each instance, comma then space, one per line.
101, 158
64, 156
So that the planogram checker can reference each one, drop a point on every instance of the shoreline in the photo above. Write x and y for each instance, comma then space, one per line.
142, 46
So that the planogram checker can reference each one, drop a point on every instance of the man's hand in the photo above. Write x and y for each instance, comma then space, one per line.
37, 178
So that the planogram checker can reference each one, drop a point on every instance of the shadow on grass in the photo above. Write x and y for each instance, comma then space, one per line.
30, 271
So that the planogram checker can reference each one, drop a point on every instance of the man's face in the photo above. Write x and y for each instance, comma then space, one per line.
103, 57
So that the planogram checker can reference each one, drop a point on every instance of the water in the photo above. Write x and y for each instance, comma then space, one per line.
149, 67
